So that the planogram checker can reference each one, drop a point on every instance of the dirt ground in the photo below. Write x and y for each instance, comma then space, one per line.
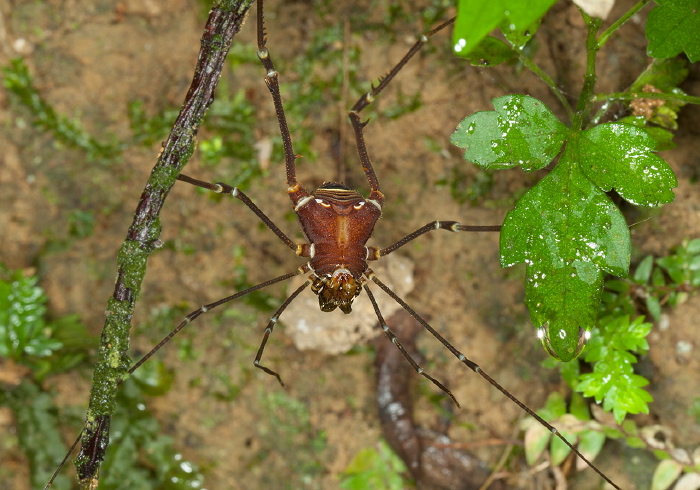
90, 59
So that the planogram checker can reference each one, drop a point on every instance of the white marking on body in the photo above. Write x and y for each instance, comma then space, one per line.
273, 319
376, 203
219, 188
462, 357
369, 97
263, 53
204, 309
424, 39
359, 205
419, 370
271, 74
455, 227
437, 225
302, 202
235, 192
322, 203
341, 270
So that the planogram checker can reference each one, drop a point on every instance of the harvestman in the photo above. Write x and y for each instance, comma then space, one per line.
338, 222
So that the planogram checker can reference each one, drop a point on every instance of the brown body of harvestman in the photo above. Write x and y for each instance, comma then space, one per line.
338, 221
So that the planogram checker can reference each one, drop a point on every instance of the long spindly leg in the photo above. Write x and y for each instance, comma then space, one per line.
394, 340
271, 325
357, 125
188, 319
203, 309
301, 249
477, 369
375, 253
294, 188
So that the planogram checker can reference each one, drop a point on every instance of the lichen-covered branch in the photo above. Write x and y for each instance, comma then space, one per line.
225, 21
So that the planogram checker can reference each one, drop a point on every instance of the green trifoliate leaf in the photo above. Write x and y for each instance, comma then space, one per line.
620, 156
521, 131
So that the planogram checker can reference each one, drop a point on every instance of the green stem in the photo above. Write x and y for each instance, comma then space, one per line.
610, 96
618, 23
583, 106
534, 68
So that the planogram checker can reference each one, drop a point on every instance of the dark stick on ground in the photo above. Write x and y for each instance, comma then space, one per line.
225, 21
427, 454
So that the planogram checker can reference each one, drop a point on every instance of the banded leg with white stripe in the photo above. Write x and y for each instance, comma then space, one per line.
366, 99
208, 307
453, 226
271, 325
477, 369
301, 249
272, 82
394, 340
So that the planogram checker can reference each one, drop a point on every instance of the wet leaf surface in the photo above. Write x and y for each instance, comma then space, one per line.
567, 231
674, 26
619, 156
521, 131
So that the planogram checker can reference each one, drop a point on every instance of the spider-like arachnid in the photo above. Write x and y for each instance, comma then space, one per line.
338, 223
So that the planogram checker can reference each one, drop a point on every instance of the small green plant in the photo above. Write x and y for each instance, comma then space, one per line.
81, 224
619, 337
26, 337
17, 79
375, 467
43, 347
231, 121
566, 229
38, 436
613, 353
657, 282
145, 459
